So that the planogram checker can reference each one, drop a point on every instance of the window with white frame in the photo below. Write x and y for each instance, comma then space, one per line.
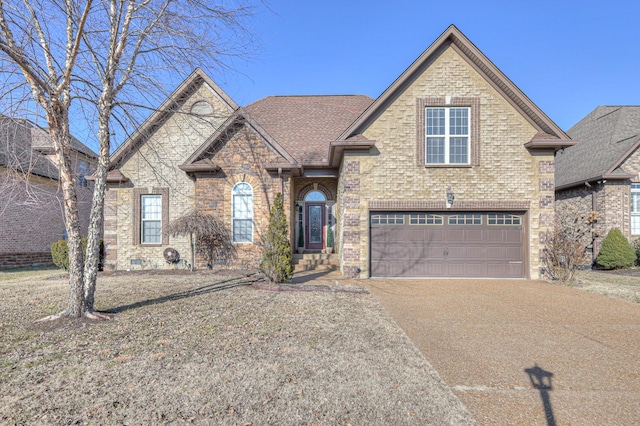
635, 208
151, 219
447, 135
242, 220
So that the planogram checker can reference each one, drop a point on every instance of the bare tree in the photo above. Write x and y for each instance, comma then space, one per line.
565, 246
107, 56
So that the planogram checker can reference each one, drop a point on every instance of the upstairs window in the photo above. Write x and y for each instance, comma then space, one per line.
83, 171
447, 134
242, 219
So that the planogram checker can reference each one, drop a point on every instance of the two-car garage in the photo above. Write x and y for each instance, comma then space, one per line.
447, 244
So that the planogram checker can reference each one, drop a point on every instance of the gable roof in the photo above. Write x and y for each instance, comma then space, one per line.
306, 125
453, 37
300, 129
606, 137
22, 145
164, 111
200, 161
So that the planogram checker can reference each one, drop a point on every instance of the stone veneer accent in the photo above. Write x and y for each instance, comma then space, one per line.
14, 260
393, 176
155, 165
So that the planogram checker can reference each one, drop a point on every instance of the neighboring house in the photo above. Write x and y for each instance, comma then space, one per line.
31, 205
601, 173
449, 173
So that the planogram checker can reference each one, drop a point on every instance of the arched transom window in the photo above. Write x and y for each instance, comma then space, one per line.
315, 196
242, 215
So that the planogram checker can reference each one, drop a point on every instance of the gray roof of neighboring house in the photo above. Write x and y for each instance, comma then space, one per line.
21, 143
305, 125
605, 138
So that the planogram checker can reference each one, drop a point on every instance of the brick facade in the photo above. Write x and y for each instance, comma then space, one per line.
32, 217
612, 203
242, 158
506, 171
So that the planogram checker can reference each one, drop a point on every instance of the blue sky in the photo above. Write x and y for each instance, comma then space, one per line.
567, 56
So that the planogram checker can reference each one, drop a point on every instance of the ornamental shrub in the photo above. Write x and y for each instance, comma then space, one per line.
60, 253
616, 252
275, 263
636, 247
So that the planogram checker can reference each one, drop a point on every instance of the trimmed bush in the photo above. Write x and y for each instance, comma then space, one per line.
276, 262
616, 252
60, 253
636, 247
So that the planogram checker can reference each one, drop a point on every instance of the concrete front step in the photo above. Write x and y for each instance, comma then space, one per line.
301, 267
316, 261
314, 256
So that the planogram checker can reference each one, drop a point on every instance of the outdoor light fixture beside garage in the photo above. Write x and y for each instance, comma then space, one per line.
450, 197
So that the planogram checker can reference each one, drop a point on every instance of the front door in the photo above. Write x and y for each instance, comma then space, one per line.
314, 225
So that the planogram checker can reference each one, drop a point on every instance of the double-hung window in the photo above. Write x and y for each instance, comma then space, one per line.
447, 135
242, 220
151, 219
635, 208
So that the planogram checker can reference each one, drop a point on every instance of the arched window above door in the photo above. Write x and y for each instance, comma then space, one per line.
315, 196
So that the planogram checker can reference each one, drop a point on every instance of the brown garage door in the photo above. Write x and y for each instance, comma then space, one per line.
447, 244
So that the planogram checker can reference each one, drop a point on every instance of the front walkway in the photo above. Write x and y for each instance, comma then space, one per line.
487, 337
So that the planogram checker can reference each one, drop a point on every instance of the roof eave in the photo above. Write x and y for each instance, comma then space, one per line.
594, 179
337, 149
554, 144
196, 168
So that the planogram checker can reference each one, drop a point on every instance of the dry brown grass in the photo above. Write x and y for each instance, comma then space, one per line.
623, 284
210, 349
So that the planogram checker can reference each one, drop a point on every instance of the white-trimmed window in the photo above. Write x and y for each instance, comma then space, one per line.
635, 208
151, 219
242, 220
447, 135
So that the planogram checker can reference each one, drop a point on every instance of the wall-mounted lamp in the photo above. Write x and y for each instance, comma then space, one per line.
450, 197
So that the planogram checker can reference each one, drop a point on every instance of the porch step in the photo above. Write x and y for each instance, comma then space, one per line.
305, 257
302, 267
308, 261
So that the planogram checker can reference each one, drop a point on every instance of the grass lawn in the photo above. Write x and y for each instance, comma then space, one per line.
621, 284
210, 349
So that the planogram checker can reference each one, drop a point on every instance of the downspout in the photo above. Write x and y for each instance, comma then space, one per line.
593, 223
281, 180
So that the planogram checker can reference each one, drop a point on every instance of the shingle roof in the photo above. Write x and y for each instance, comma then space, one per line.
41, 140
604, 138
305, 125
20, 143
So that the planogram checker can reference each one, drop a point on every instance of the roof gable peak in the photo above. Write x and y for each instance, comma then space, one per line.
452, 36
165, 110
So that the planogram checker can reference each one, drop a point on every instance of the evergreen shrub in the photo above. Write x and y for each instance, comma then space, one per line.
276, 263
616, 252
60, 253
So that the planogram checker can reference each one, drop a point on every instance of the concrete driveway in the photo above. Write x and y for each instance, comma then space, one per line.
484, 337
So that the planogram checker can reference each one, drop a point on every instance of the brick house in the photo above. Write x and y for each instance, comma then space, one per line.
31, 212
601, 173
450, 172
